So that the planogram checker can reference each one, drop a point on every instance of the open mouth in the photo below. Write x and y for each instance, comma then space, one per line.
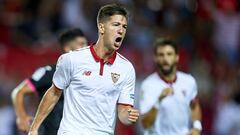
118, 39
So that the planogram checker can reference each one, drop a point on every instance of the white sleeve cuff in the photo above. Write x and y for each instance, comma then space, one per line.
197, 124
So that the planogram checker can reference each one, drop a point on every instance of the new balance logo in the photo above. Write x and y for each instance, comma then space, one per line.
87, 73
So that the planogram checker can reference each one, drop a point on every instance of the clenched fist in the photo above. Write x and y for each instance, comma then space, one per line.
166, 92
133, 115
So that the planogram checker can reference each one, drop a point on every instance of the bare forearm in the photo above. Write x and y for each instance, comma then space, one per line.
196, 118
47, 104
149, 118
127, 114
19, 105
18, 95
196, 111
123, 116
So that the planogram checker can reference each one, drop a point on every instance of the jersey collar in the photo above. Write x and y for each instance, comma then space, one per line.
98, 59
168, 82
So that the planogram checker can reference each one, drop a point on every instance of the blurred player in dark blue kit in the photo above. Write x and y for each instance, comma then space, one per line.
40, 81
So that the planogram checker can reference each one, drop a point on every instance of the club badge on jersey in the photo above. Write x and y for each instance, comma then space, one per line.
115, 77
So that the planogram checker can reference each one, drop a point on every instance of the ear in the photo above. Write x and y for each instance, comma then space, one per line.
66, 49
101, 28
177, 57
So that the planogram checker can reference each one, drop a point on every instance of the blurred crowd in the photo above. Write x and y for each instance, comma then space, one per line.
208, 33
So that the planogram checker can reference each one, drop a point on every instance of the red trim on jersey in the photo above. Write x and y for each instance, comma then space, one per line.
120, 56
168, 81
112, 58
101, 67
195, 100
125, 104
98, 59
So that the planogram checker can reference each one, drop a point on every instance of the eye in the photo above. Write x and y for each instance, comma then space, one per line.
169, 54
125, 26
116, 24
160, 54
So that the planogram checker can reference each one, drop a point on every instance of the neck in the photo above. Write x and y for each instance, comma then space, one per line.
170, 77
102, 51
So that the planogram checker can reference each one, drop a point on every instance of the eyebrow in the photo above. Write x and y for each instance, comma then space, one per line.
125, 25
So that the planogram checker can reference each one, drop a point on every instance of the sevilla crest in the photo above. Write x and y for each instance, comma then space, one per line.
115, 77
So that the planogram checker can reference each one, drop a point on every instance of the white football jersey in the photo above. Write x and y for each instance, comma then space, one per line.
173, 115
92, 90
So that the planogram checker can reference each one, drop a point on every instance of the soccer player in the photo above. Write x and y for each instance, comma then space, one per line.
40, 81
98, 83
168, 97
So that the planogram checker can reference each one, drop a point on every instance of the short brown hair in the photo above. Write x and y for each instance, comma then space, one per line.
68, 35
164, 42
109, 10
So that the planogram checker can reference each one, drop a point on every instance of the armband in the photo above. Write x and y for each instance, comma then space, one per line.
197, 124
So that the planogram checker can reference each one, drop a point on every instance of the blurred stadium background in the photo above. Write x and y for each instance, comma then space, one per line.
208, 32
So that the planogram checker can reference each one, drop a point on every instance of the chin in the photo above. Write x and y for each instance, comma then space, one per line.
116, 47
112, 49
166, 71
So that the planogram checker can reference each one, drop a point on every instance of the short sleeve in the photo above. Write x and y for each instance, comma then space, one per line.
62, 75
194, 91
146, 101
127, 93
42, 77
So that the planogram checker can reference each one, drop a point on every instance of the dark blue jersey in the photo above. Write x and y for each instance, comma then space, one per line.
42, 80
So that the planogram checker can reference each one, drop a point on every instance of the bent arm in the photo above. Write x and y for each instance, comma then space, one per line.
127, 114
18, 98
17, 95
148, 118
48, 102
196, 118
196, 111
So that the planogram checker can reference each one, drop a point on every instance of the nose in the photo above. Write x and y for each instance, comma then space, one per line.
120, 31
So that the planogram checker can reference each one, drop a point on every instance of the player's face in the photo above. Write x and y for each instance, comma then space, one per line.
77, 43
114, 30
166, 59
